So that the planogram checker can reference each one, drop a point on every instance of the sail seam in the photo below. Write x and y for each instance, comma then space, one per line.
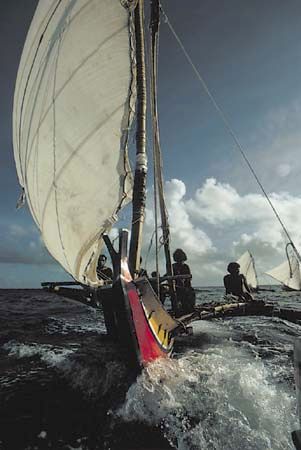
61, 89
28, 152
54, 158
36, 148
27, 82
29, 51
75, 152
130, 112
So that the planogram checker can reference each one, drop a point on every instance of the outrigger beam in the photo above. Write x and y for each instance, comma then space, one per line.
253, 308
60, 283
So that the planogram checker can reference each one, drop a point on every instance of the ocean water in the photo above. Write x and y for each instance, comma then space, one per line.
64, 385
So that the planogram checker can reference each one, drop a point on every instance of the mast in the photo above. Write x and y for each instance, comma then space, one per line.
288, 257
154, 24
139, 191
256, 277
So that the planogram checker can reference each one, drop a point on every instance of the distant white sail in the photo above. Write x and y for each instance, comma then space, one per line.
73, 107
288, 273
247, 267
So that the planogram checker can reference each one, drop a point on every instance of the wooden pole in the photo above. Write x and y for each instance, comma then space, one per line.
139, 192
155, 18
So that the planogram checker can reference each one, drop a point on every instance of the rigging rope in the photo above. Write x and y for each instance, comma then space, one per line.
227, 125
154, 51
153, 58
149, 249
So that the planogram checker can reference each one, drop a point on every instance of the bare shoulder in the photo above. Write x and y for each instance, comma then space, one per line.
226, 277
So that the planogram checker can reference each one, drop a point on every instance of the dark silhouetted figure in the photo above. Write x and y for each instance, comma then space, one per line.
103, 272
236, 283
163, 287
153, 282
142, 272
185, 293
105, 295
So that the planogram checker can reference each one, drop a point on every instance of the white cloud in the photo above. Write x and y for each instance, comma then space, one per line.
221, 206
217, 224
213, 225
283, 170
184, 233
23, 244
16, 230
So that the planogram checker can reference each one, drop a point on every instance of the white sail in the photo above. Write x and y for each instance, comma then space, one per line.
73, 107
247, 267
288, 273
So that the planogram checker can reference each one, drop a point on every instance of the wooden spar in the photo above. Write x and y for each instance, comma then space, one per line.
288, 257
139, 191
295, 250
154, 24
115, 256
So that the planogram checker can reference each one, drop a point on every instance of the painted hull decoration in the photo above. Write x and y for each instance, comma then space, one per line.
151, 326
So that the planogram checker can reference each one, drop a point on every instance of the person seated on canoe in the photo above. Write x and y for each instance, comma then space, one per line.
235, 283
163, 288
185, 293
142, 272
103, 272
106, 297
153, 282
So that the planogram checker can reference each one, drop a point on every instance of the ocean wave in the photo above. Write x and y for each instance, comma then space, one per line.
218, 399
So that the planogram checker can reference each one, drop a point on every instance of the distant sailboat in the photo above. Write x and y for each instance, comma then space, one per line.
247, 268
288, 272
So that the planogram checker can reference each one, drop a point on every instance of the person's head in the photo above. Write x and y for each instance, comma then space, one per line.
154, 274
179, 256
233, 268
102, 260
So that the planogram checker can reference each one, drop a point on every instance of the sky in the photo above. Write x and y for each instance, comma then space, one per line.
249, 54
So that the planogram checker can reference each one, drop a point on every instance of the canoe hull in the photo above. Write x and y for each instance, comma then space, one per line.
148, 324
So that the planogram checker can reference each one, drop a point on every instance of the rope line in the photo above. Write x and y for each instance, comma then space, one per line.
227, 125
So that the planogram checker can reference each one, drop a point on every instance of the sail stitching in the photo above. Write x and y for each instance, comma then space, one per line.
130, 112
76, 151
43, 65
27, 160
36, 148
27, 82
54, 157
35, 38
28, 153
69, 79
